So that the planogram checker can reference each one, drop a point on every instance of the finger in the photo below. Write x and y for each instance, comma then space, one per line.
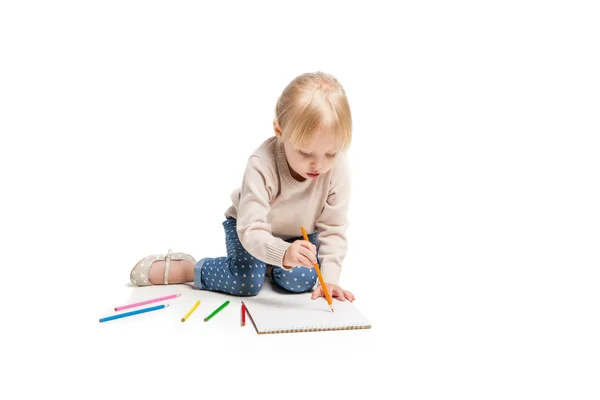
304, 243
308, 245
348, 295
339, 294
332, 291
318, 292
305, 261
308, 254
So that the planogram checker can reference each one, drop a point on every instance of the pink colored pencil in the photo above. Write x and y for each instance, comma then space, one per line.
141, 303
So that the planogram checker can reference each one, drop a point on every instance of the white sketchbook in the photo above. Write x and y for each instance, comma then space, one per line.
274, 310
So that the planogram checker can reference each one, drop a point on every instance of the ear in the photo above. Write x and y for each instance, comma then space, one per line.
277, 129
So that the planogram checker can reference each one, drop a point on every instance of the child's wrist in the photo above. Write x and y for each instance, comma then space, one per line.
285, 261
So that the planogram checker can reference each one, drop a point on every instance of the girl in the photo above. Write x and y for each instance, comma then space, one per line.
299, 177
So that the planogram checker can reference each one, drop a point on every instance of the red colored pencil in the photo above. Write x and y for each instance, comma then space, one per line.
243, 314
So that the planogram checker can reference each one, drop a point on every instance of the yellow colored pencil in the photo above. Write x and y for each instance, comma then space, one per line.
325, 291
191, 311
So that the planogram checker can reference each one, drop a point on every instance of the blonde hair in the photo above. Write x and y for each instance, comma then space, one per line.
312, 101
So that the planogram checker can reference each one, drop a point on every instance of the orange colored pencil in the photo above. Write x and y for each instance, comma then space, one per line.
327, 296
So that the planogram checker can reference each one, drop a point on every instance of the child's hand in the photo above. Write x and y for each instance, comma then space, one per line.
335, 292
300, 253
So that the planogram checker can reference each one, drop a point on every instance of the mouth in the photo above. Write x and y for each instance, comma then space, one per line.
312, 175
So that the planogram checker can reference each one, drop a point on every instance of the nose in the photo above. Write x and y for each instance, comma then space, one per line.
317, 165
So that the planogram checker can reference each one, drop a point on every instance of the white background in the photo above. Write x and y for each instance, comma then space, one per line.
474, 222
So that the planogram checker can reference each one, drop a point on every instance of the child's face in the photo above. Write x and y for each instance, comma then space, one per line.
314, 158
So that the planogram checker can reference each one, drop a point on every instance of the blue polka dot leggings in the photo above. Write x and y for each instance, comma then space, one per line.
241, 274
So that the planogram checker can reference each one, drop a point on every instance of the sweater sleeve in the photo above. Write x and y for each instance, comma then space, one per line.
332, 223
253, 228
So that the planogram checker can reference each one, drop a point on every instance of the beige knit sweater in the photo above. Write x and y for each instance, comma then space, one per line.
271, 205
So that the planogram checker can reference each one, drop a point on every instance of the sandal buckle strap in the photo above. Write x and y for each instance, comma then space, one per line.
167, 265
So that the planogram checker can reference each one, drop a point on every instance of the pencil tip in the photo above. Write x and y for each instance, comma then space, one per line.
182, 319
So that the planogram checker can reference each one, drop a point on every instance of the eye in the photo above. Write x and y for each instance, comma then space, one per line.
304, 154
331, 155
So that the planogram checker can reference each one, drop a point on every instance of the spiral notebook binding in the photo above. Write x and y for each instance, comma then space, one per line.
315, 328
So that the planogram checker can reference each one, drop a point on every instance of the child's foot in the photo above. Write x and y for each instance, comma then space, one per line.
179, 272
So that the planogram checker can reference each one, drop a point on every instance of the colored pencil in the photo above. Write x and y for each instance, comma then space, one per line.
191, 311
216, 311
243, 314
141, 303
127, 314
327, 296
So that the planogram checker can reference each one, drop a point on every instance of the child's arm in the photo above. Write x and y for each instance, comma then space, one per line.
332, 223
253, 228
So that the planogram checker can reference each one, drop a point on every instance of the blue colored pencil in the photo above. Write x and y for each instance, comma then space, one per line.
127, 314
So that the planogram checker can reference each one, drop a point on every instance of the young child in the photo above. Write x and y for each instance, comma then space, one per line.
299, 177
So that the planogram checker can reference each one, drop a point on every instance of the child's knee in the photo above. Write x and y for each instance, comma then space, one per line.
249, 283
298, 279
311, 282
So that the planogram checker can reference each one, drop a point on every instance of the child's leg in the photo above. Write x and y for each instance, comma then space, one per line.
239, 273
298, 279
179, 272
